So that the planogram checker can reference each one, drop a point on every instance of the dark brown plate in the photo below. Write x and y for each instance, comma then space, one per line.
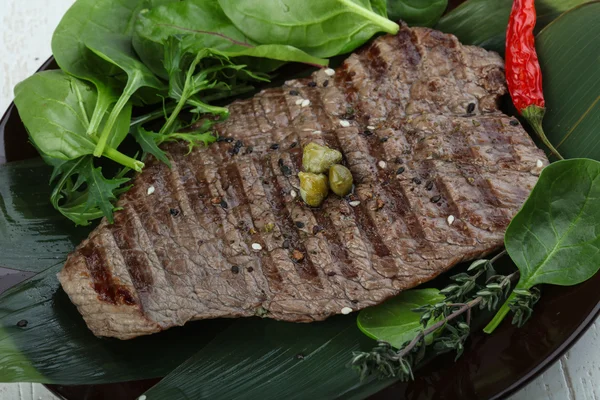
492, 366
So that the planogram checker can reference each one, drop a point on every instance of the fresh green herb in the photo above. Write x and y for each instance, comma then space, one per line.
322, 28
555, 238
434, 327
416, 12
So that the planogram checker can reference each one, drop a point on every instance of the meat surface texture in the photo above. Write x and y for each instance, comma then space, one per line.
439, 173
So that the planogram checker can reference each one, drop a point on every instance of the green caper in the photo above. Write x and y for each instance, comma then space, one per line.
318, 159
313, 188
340, 180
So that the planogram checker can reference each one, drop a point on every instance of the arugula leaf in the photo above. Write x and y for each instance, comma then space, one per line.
395, 321
101, 191
555, 238
148, 142
416, 12
323, 28
84, 204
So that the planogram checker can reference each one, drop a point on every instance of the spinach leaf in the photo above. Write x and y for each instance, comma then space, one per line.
323, 28
93, 42
203, 25
394, 321
555, 238
56, 108
416, 12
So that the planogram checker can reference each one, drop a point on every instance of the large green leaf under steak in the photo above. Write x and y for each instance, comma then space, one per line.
33, 235
483, 22
273, 360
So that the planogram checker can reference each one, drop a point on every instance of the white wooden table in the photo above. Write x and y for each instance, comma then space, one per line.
26, 27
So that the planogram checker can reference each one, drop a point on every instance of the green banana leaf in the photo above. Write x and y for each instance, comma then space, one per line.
33, 235
569, 52
483, 22
272, 360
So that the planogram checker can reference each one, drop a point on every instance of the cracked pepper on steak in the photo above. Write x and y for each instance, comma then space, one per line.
439, 173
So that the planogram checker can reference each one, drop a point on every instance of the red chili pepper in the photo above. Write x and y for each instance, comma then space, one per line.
523, 72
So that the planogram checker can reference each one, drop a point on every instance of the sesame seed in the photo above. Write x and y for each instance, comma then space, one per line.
235, 269
400, 170
256, 246
436, 199
346, 310
329, 72
344, 123
293, 194
382, 164
354, 203
305, 103
539, 164
150, 190
312, 84
294, 93
299, 101
317, 132
370, 127
450, 219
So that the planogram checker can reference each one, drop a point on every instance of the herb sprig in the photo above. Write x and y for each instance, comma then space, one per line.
449, 321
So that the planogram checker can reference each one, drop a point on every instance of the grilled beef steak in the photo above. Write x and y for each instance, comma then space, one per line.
439, 173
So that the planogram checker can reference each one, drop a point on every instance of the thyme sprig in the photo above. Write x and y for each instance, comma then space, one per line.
447, 324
